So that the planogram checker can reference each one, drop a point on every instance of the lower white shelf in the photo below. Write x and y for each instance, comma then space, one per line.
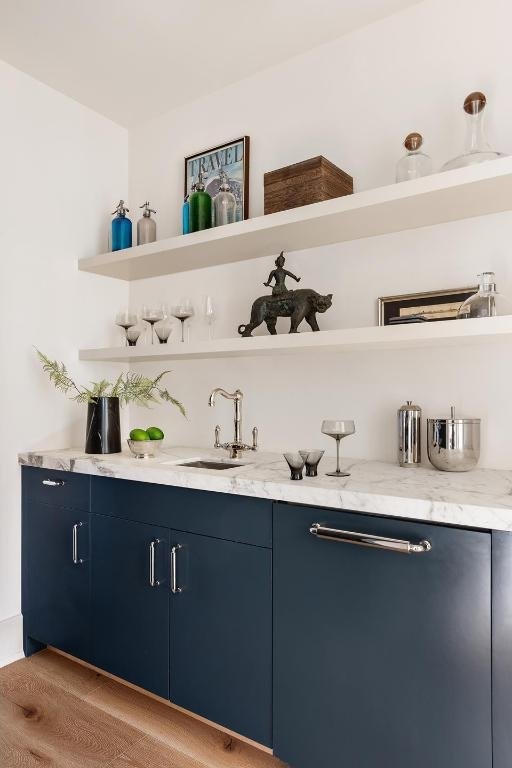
444, 333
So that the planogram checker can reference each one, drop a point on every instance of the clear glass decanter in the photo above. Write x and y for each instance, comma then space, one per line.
476, 148
487, 302
224, 203
414, 163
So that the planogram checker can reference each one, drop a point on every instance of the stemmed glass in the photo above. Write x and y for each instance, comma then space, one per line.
338, 428
209, 314
182, 312
125, 320
151, 315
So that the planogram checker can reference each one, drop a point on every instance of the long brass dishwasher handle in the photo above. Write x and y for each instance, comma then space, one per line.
321, 531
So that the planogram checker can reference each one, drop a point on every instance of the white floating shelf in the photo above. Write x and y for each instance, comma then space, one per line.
450, 332
463, 193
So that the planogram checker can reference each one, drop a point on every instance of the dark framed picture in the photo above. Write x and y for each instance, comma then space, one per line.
423, 307
233, 158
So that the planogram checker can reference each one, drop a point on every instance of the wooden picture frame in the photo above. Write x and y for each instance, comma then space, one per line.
434, 306
233, 156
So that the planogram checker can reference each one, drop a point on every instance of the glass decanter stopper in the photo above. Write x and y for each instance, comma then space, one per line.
224, 203
487, 302
414, 163
476, 147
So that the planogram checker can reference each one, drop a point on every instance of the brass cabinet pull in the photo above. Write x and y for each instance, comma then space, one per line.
321, 531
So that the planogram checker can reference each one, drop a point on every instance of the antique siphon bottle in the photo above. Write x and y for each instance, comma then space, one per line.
121, 228
185, 214
146, 226
224, 203
200, 206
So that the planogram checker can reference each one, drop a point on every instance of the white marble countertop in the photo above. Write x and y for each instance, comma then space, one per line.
481, 498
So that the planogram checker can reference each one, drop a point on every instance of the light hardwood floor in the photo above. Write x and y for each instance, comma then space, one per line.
55, 713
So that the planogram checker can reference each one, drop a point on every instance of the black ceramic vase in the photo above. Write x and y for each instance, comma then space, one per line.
103, 433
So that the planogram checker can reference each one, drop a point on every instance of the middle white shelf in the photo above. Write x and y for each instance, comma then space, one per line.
444, 333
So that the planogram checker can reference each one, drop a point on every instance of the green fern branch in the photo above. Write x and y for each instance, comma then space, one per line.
129, 387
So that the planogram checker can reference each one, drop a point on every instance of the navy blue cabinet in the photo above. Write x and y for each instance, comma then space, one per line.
502, 648
56, 567
381, 658
332, 652
221, 632
130, 601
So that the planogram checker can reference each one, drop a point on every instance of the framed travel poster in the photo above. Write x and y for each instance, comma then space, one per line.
233, 158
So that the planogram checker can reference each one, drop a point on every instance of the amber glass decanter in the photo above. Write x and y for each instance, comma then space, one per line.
476, 149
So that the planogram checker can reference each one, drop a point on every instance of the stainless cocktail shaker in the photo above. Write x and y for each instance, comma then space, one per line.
409, 435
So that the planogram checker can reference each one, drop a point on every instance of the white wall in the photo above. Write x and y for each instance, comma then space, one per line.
62, 168
353, 100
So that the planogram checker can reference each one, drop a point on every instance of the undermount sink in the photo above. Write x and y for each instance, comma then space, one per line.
209, 464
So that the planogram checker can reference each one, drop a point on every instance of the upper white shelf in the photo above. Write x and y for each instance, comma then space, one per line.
463, 193
447, 333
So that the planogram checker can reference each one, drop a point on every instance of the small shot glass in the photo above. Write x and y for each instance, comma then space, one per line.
312, 458
296, 464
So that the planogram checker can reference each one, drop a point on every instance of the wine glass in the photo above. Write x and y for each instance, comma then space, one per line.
151, 314
209, 314
182, 312
125, 320
338, 428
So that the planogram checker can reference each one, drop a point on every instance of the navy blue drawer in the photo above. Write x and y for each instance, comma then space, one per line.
225, 516
63, 489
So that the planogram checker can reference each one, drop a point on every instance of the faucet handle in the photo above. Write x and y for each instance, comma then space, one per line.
255, 439
217, 436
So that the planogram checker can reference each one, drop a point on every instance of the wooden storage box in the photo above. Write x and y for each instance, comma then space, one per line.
303, 183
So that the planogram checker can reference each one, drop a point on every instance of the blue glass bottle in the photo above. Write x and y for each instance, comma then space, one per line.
185, 216
121, 228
